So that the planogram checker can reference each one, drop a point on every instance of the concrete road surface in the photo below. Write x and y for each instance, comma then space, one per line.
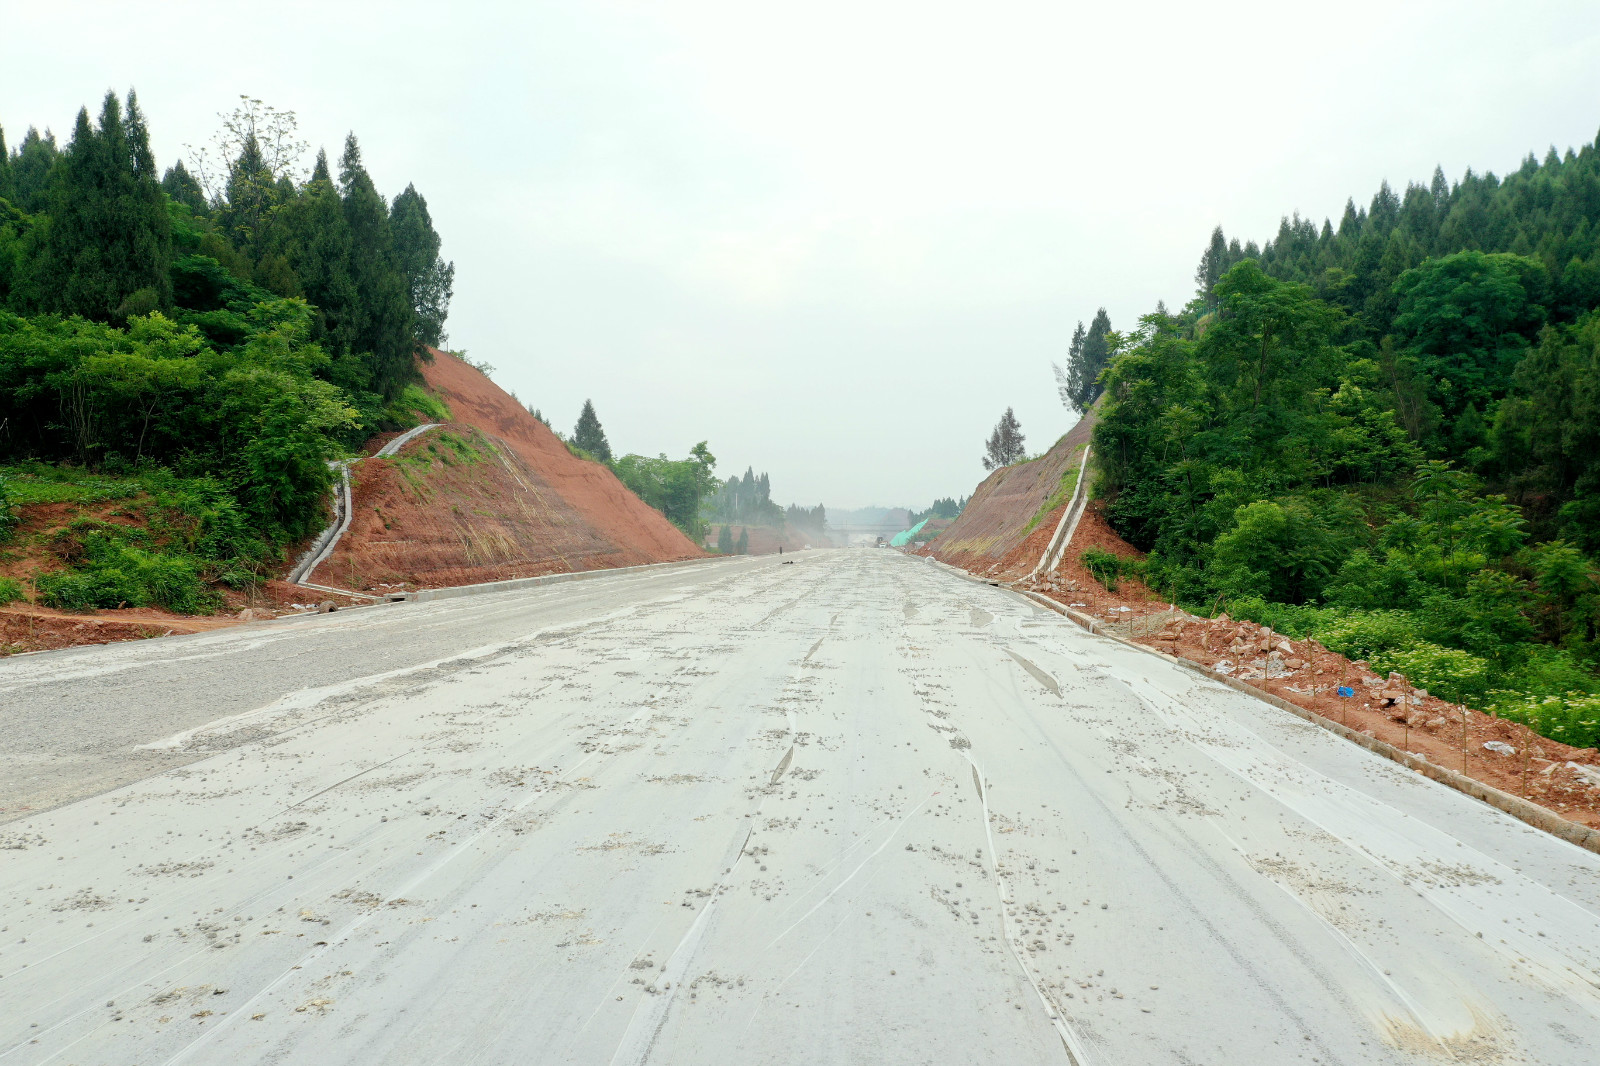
850, 810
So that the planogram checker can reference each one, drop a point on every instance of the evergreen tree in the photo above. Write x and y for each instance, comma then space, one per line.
182, 188
384, 334
725, 540
1064, 383
588, 434
743, 547
314, 237
249, 200
428, 277
1004, 446
1079, 385
1212, 265
536, 413
8, 190
32, 163
108, 250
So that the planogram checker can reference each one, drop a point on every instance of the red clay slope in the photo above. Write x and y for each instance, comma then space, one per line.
526, 507
991, 537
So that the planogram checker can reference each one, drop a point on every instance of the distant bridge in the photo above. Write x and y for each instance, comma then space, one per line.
860, 529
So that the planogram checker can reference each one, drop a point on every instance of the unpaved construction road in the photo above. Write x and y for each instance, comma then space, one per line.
850, 810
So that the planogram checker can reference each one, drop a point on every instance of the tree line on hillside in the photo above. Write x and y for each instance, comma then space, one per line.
688, 491
1386, 435
241, 325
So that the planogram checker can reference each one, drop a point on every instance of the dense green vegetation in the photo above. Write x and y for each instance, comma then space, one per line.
1388, 436
223, 335
675, 487
149, 538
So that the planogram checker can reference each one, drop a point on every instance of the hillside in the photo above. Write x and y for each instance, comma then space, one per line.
1006, 526
490, 494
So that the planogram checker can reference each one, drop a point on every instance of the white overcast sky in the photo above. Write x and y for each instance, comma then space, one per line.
834, 239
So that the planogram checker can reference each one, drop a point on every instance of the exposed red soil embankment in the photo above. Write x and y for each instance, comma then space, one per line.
513, 502
992, 537
25, 628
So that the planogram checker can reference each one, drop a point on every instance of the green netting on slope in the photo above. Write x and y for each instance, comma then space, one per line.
902, 539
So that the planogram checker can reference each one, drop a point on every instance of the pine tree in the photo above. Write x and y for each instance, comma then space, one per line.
182, 188
725, 540
313, 235
1064, 386
1079, 386
249, 199
1212, 266
108, 252
743, 547
32, 163
1004, 446
8, 190
588, 434
384, 334
429, 279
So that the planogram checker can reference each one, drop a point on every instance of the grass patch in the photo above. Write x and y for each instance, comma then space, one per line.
1063, 493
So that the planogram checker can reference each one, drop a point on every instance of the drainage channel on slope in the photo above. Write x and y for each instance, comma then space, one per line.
329, 538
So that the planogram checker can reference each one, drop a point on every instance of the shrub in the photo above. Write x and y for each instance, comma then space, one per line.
1573, 718
8, 516
10, 590
1365, 634
1455, 675
1109, 569
116, 574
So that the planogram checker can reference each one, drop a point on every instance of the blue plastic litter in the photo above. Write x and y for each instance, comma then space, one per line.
1346, 690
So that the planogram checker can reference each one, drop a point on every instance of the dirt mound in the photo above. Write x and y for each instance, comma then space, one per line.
493, 494
766, 540
1010, 519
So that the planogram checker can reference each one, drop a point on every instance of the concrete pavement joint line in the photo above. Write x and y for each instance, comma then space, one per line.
350, 929
1470, 914
310, 698
143, 981
1574, 833
1076, 1051
859, 867
1373, 969
648, 1017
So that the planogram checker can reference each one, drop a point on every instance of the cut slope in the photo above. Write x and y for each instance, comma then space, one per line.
1008, 523
492, 494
